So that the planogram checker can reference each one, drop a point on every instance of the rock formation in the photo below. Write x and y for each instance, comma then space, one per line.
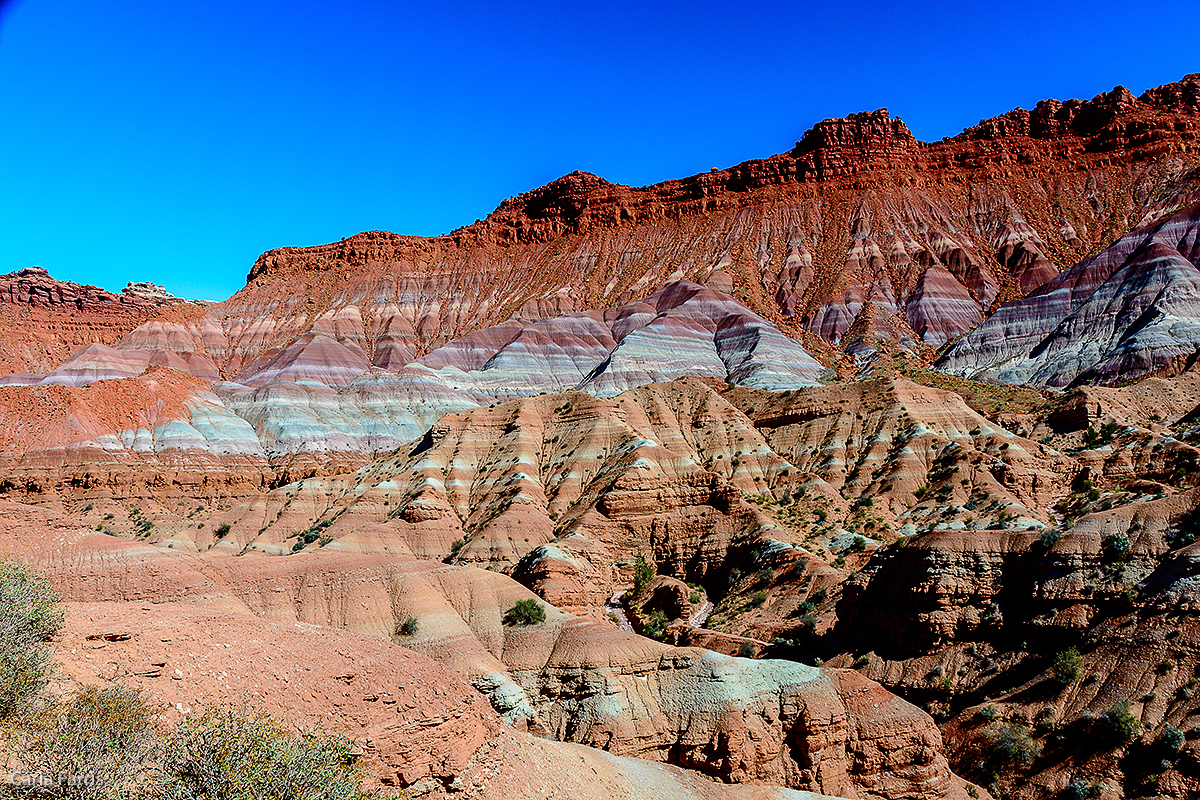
1129, 311
43, 320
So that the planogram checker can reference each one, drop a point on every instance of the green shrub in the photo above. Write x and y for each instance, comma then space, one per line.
1117, 725
525, 612
989, 713
1067, 665
223, 530
457, 545
1115, 547
1170, 741
29, 617
95, 745
746, 650
807, 625
1011, 746
228, 753
757, 599
1080, 789
408, 627
1048, 538
656, 625
1098, 438
1181, 538
858, 545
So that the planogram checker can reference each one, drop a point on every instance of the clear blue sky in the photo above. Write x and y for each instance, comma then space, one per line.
174, 142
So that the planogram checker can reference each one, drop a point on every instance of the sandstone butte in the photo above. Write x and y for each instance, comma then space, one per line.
894, 423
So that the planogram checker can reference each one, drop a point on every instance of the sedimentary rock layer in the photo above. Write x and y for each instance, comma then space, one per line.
1131, 310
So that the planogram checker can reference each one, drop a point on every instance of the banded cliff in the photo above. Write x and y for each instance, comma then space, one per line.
859, 222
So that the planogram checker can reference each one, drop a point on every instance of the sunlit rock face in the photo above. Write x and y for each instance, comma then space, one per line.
320, 393
120, 436
684, 329
1132, 310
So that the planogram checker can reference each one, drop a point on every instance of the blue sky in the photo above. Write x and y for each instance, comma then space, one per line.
174, 142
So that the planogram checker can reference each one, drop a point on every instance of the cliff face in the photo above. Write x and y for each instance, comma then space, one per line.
44, 320
1131, 310
858, 224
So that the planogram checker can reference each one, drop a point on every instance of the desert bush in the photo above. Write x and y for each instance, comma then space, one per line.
99, 744
228, 753
1048, 538
656, 625
29, 616
807, 626
1117, 725
1067, 665
1080, 789
1011, 746
525, 612
408, 627
1170, 741
1115, 547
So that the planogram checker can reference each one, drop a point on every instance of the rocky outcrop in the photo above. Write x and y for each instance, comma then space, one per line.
43, 320
976, 624
683, 329
321, 396
565, 489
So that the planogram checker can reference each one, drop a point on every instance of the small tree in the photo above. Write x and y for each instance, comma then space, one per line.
29, 617
1011, 746
228, 753
525, 612
643, 573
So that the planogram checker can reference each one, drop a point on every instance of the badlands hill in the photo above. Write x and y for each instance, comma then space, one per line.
699, 423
